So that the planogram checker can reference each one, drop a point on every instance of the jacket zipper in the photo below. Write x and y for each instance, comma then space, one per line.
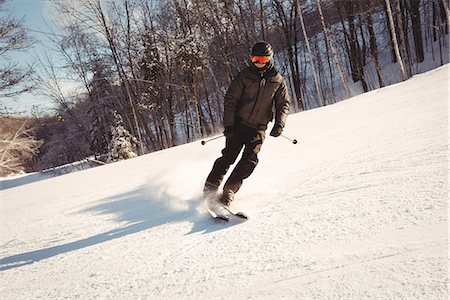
261, 85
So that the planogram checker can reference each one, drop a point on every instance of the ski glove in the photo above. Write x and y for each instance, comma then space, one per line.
276, 130
229, 132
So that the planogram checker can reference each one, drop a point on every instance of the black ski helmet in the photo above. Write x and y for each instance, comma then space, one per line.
262, 49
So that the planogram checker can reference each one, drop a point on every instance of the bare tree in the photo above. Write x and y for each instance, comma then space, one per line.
394, 39
14, 78
417, 29
261, 19
373, 43
348, 10
308, 47
447, 11
336, 59
403, 38
17, 145
109, 32
288, 21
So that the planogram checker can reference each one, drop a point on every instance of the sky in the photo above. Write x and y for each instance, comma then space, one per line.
36, 15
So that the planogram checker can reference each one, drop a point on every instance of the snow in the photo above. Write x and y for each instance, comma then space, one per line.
356, 210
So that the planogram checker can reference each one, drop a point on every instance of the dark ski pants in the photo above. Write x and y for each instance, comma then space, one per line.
244, 137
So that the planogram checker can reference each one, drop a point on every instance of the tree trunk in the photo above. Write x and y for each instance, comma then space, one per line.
447, 11
121, 73
333, 52
403, 38
394, 39
310, 55
286, 24
437, 22
351, 36
417, 30
373, 44
208, 104
261, 19
391, 29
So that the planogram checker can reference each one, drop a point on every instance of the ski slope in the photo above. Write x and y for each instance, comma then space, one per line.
356, 210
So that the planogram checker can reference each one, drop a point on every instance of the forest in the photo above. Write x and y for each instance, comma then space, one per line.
153, 74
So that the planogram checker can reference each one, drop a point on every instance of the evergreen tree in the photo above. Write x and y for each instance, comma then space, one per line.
101, 106
121, 145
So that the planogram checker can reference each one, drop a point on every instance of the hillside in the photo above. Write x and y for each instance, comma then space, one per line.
357, 209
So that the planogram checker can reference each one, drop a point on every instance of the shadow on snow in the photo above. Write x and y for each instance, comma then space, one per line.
141, 209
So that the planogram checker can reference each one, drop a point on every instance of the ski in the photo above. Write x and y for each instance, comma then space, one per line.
218, 211
238, 214
217, 216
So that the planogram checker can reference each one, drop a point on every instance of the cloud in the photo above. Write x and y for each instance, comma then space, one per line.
69, 87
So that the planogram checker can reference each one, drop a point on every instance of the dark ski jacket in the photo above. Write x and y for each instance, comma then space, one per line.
251, 97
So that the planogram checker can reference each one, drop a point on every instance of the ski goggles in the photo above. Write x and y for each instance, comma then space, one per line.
260, 59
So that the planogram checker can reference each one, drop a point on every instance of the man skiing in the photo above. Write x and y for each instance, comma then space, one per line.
247, 111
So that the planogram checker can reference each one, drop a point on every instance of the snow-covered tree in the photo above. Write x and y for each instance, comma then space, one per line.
101, 105
122, 142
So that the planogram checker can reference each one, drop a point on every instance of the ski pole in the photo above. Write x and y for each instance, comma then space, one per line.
212, 139
294, 141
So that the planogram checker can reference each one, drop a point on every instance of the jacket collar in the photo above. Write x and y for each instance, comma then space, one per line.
266, 72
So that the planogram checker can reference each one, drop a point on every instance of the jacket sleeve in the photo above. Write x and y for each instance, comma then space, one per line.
282, 104
232, 98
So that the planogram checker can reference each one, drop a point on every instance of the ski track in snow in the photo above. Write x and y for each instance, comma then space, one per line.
356, 210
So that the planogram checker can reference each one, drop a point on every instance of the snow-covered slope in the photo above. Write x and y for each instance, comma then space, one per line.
357, 209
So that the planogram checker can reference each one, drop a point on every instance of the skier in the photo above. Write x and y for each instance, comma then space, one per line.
247, 111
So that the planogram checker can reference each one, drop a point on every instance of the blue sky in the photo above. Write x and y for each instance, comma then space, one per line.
36, 15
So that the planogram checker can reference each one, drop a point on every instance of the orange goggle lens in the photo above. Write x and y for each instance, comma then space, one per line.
260, 59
